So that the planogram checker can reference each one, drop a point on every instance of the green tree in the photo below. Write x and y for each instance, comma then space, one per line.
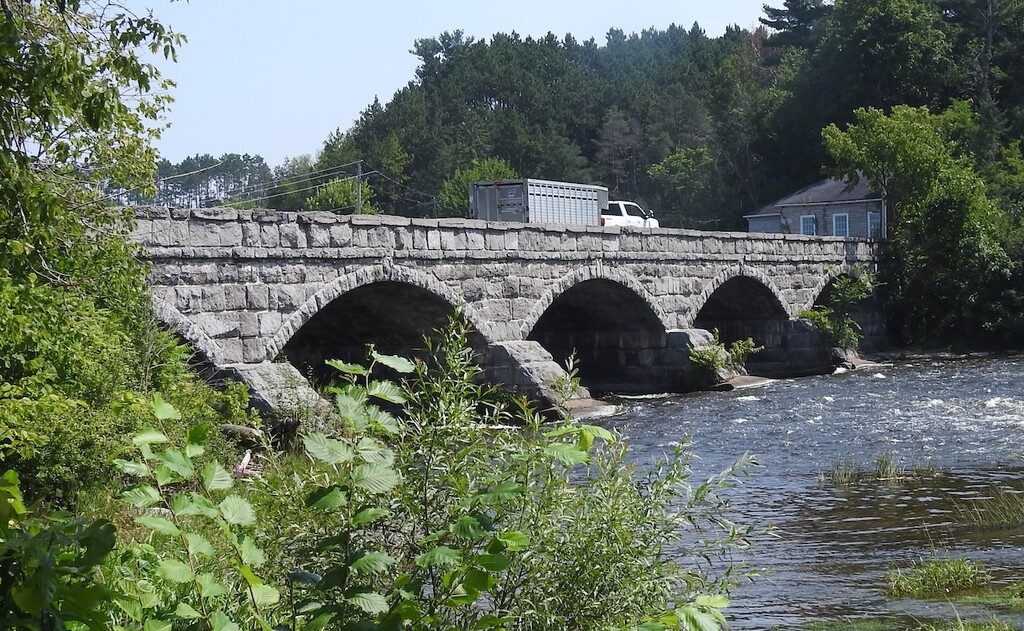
940, 223
454, 198
341, 196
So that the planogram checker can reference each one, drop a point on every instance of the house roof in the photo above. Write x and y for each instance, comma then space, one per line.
821, 193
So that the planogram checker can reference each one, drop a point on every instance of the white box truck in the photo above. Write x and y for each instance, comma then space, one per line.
546, 201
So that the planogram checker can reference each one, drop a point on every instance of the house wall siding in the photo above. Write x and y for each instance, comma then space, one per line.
857, 212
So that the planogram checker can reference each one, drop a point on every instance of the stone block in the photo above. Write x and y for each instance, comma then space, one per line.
475, 241
212, 298
292, 236
512, 241
453, 240
249, 324
287, 297
253, 350
341, 235
270, 323
234, 297
230, 351
319, 235
218, 325
434, 240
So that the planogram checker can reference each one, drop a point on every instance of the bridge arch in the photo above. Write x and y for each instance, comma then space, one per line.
610, 322
820, 290
167, 315
731, 274
380, 302
592, 272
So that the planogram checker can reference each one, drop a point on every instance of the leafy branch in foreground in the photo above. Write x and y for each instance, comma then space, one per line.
204, 568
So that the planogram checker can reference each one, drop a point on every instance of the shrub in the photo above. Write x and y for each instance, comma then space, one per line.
833, 319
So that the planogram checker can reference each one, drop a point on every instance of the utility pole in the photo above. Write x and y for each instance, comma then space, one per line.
359, 187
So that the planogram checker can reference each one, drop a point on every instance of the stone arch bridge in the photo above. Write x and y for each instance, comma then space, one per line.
249, 288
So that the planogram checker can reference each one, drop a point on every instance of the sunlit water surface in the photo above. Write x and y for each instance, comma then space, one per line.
961, 419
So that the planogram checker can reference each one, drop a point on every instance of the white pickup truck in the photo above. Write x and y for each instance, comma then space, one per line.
628, 214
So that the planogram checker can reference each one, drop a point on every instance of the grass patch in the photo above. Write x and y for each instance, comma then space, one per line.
936, 579
960, 625
1003, 508
888, 467
844, 472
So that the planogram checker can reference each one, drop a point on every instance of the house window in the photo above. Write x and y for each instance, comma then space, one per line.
841, 225
808, 224
874, 225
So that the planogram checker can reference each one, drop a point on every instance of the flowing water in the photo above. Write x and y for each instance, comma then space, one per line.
958, 428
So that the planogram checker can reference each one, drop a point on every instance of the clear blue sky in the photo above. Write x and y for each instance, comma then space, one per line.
275, 78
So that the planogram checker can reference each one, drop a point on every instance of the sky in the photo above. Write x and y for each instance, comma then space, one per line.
275, 78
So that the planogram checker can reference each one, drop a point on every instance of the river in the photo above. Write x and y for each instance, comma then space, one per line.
956, 425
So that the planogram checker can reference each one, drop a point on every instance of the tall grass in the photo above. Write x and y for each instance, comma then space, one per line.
1003, 508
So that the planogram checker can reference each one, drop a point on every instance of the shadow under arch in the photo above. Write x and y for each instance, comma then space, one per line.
614, 330
742, 304
390, 307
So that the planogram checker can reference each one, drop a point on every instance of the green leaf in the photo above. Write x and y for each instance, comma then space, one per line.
468, 527
515, 540
387, 391
441, 555
369, 450
264, 595
175, 571
326, 498
477, 580
712, 601
237, 511
599, 432
178, 463
353, 410
148, 437
499, 494
197, 435
568, 454
384, 421
368, 515
220, 622
330, 450
250, 553
164, 411
394, 362
493, 562
370, 602
304, 577
158, 524
142, 496
184, 610
131, 467
194, 451
195, 504
155, 624
198, 545
375, 479
371, 563
216, 477
693, 619
209, 586
348, 369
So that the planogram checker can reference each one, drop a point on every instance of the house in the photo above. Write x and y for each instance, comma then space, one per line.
824, 208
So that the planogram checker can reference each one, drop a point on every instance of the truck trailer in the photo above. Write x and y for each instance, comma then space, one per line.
545, 201
537, 201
